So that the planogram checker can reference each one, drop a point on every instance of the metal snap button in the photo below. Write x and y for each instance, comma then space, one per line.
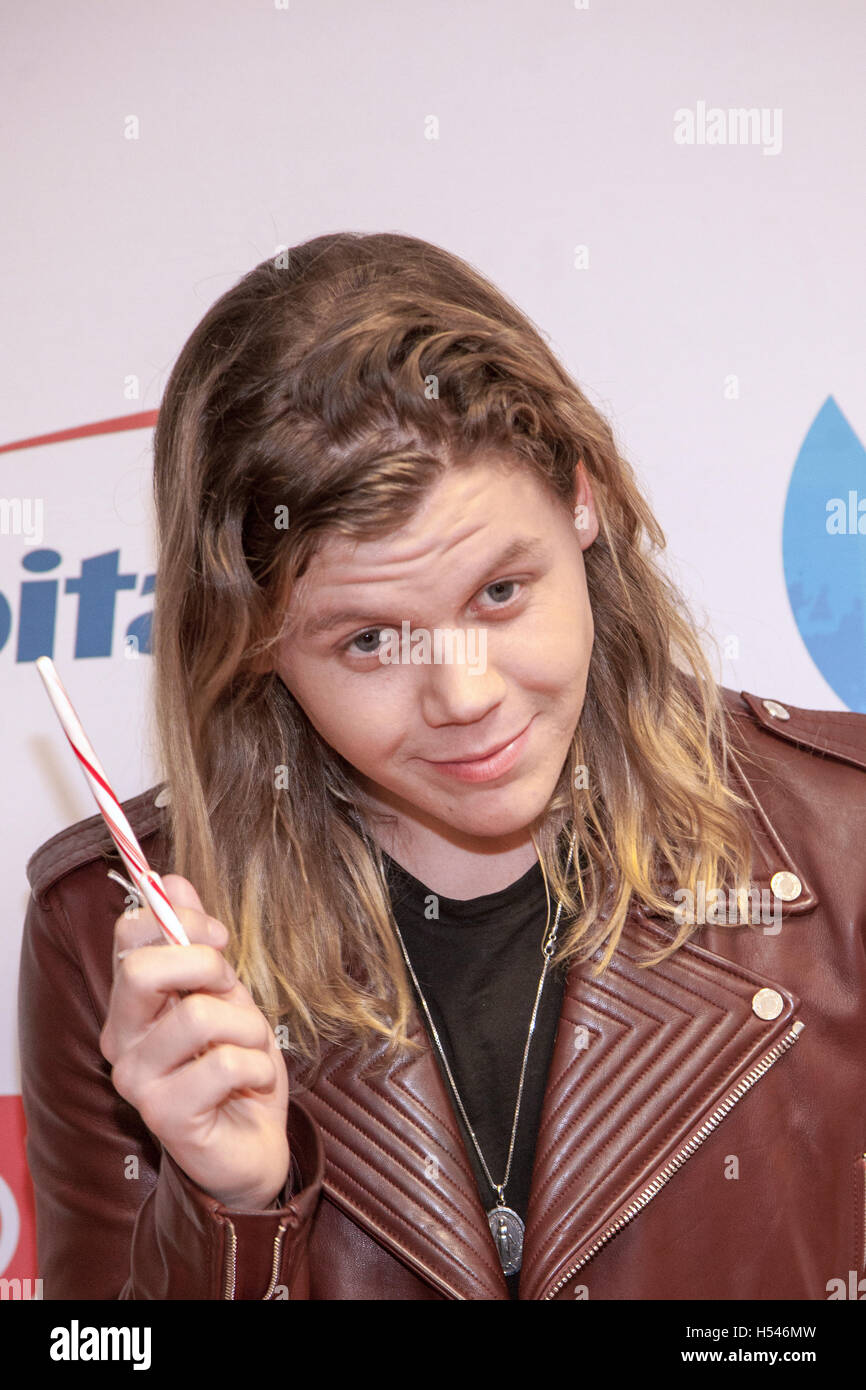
767, 1003
786, 886
775, 709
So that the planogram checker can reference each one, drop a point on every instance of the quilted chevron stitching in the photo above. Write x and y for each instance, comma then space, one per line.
365, 1213
665, 1142
685, 986
435, 1121
613, 1079
346, 1118
436, 1126
569, 1097
340, 1108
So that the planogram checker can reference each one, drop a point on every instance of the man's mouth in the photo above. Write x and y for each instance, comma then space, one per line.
491, 763
487, 753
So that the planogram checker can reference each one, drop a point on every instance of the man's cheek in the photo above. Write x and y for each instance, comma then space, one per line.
555, 667
368, 736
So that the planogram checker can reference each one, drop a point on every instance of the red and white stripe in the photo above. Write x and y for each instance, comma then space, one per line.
143, 876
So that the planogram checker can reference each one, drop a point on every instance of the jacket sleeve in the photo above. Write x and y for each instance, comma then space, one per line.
116, 1217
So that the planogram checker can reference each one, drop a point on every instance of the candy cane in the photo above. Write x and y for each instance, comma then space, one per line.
146, 880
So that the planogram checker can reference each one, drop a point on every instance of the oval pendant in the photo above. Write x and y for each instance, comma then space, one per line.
506, 1229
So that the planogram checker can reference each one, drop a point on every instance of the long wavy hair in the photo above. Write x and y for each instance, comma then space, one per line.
337, 382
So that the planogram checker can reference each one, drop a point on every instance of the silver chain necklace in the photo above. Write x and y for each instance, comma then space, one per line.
505, 1224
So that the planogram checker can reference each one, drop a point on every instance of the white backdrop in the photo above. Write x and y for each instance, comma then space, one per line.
704, 294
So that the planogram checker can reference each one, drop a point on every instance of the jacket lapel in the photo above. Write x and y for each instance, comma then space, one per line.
644, 1060
395, 1162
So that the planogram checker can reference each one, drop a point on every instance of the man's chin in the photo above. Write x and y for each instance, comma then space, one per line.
495, 812
474, 810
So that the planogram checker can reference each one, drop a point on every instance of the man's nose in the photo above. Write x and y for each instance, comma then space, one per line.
463, 684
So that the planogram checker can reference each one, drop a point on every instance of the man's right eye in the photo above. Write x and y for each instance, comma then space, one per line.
360, 637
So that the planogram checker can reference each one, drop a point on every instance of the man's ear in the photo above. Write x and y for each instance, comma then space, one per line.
585, 517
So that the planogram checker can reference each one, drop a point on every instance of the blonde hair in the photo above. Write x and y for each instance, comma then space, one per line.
339, 382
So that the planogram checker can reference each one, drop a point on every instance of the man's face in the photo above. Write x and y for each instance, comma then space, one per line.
403, 726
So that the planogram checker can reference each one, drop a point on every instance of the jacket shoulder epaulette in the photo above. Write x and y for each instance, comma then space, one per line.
839, 734
89, 839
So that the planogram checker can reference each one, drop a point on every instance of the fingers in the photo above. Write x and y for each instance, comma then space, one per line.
208, 1081
181, 892
197, 1090
196, 1023
146, 978
139, 927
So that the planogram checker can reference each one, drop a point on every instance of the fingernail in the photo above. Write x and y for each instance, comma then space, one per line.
217, 931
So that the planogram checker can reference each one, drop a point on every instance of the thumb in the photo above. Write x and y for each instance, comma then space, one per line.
181, 892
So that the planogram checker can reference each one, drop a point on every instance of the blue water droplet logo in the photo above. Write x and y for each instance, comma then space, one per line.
824, 552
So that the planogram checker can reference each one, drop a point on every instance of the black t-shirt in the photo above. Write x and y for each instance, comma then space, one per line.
478, 964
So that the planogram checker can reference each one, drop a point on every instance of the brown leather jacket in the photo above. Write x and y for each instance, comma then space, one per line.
704, 1123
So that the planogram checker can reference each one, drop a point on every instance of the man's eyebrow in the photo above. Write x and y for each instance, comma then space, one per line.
522, 548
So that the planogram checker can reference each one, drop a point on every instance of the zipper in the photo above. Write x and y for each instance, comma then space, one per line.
232, 1260
685, 1152
278, 1241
